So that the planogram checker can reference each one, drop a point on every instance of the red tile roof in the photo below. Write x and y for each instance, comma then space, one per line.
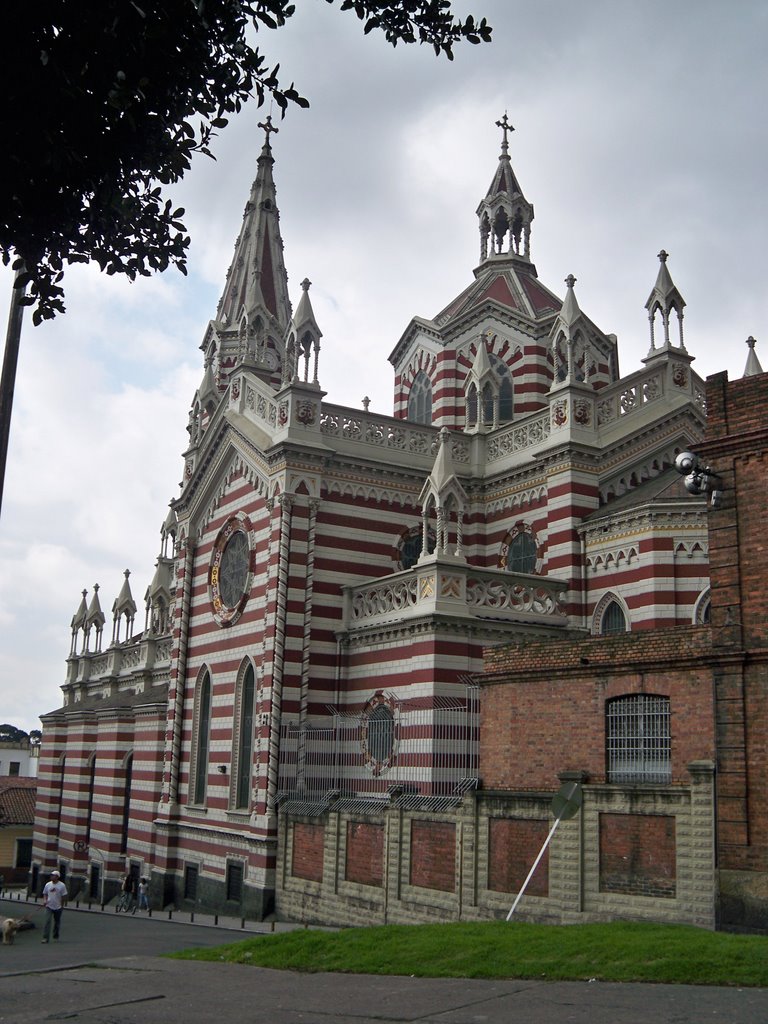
17, 800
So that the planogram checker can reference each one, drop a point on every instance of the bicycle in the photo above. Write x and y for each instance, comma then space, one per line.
126, 904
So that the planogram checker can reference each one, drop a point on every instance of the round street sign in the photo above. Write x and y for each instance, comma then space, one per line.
566, 801
80, 845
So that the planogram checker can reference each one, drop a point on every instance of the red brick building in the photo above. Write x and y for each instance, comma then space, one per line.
687, 698
329, 577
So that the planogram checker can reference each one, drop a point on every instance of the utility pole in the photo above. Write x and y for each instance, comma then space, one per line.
8, 379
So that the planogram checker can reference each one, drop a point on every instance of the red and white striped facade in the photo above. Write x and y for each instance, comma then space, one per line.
541, 479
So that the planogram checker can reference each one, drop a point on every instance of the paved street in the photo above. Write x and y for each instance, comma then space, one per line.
107, 970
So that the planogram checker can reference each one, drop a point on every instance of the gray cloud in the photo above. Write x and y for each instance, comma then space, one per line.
640, 125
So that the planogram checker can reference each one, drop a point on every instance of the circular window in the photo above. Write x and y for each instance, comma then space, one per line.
230, 572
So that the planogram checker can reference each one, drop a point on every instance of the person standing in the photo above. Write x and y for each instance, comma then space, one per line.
129, 891
143, 894
54, 897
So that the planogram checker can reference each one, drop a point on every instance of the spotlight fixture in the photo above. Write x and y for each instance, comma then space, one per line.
699, 479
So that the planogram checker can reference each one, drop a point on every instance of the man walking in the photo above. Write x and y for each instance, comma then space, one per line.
54, 896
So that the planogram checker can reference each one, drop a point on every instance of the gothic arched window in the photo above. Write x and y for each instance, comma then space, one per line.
420, 399
521, 555
202, 737
506, 403
613, 620
128, 782
472, 405
244, 766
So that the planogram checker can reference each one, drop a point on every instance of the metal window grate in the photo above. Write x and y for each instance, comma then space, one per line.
638, 739
427, 748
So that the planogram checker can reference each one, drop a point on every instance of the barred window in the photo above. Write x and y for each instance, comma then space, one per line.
638, 739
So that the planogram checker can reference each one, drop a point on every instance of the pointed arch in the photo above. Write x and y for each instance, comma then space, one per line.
471, 413
702, 609
420, 399
611, 616
127, 786
243, 737
201, 735
91, 777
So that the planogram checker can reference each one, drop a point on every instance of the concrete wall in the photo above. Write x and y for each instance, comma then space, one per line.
639, 852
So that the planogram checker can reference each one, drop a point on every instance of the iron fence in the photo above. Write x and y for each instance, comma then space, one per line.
407, 751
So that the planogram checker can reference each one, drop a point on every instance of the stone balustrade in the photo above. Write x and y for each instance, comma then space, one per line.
451, 587
522, 435
384, 432
107, 671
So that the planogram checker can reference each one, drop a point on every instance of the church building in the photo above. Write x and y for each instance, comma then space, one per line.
328, 578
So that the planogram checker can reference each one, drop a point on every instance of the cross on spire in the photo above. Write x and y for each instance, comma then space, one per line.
506, 127
268, 128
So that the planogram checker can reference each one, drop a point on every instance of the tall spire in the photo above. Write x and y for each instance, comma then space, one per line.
505, 214
257, 284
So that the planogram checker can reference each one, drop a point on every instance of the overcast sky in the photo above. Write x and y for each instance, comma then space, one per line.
640, 125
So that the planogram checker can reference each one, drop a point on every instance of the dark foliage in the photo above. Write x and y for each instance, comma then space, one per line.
106, 101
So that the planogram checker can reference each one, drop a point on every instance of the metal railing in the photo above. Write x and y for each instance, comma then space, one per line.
425, 750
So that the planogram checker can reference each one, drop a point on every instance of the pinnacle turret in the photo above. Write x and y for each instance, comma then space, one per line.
664, 300
505, 214
303, 339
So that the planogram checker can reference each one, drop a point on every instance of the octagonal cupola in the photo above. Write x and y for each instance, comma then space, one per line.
505, 214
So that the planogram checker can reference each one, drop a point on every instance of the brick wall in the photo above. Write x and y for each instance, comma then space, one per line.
307, 859
433, 855
365, 853
543, 703
638, 854
513, 845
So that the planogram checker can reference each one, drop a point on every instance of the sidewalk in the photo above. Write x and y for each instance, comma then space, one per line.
17, 904
109, 967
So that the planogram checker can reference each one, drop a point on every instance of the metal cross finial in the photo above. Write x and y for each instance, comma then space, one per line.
505, 127
268, 127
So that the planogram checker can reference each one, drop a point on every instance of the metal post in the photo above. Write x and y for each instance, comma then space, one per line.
535, 865
8, 379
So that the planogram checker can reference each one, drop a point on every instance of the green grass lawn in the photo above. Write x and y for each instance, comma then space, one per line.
619, 951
